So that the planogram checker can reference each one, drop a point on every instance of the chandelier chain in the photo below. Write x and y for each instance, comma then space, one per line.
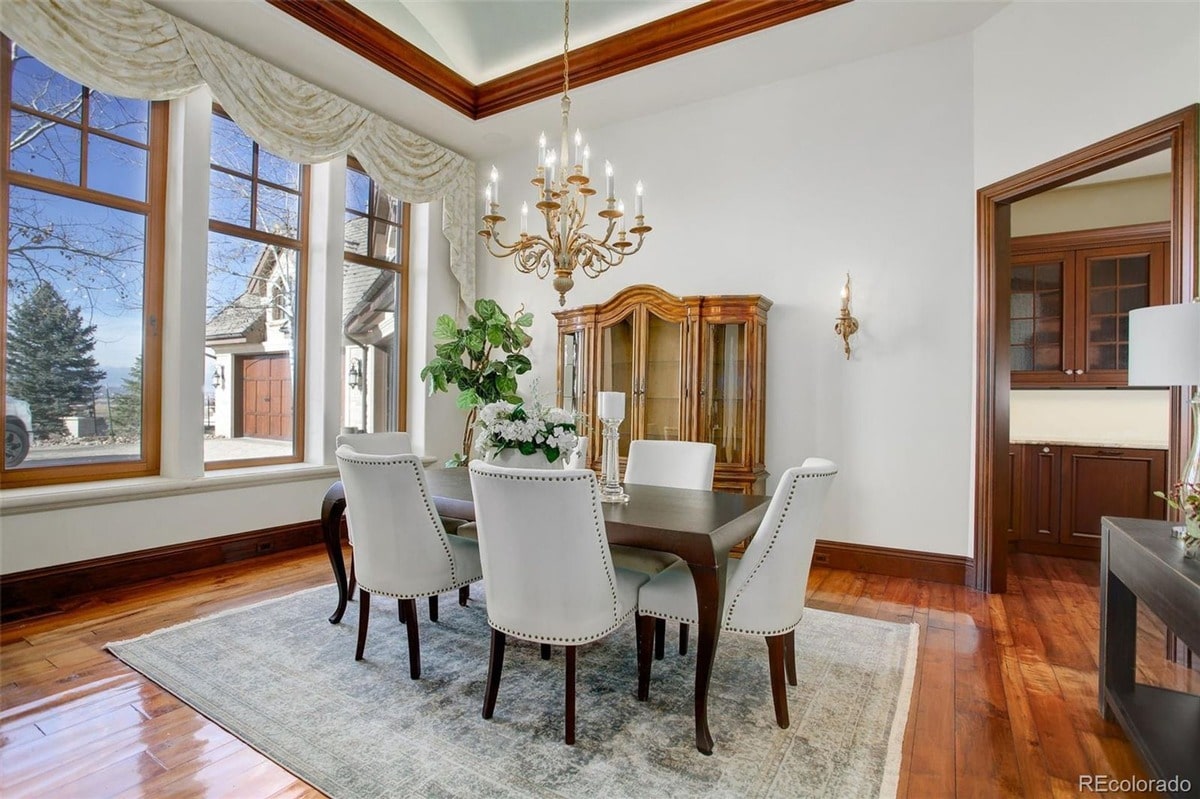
566, 47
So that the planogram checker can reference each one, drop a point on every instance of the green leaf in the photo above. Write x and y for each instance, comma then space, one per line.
457, 459
551, 454
506, 385
475, 344
486, 309
527, 448
524, 320
495, 335
513, 398
467, 400
445, 328
518, 363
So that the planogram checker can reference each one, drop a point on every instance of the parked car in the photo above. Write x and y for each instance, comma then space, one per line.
18, 424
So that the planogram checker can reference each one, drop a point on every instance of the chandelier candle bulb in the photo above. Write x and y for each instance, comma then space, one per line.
524, 219
621, 212
578, 147
542, 149
609, 184
638, 208
495, 176
587, 156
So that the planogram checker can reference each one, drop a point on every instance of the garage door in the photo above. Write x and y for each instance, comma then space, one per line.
267, 396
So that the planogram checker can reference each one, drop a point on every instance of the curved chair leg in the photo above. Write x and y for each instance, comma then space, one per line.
789, 655
683, 636
545, 651
464, 594
433, 608
660, 634
775, 658
364, 612
570, 731
495, 666
645, 642
414, 639
352, 581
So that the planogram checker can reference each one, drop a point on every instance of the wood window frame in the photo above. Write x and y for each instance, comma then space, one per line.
1175, 132
400, 267
300, 334
153, 208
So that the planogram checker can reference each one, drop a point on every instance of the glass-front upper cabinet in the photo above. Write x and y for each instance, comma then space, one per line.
1070, 303
660, 392
618, 339
723, 390
572, 375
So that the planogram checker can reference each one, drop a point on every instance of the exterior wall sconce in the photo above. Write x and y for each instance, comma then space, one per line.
218, 380
355, 375
846, 325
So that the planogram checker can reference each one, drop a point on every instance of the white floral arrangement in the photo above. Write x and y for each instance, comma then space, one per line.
526, 427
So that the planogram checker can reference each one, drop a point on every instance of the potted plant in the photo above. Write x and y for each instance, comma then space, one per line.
1185, 498
464, 358
526, 434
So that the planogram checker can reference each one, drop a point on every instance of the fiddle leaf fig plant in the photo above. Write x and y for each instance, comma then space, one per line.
482, 360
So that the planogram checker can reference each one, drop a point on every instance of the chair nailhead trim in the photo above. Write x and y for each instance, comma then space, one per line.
555, 639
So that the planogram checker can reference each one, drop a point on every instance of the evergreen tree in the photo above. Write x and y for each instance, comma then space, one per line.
50, 363
125, 407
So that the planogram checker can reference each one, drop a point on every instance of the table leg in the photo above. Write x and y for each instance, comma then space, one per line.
1118, 632
710, 605
332, 508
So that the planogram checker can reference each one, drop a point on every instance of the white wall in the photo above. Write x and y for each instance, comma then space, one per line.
1053, 77
780, 191
1094, 205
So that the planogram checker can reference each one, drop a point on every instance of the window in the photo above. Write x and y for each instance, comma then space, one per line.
374, 306
255, 314
82, 192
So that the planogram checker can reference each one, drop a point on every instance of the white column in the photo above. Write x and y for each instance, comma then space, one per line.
324, 381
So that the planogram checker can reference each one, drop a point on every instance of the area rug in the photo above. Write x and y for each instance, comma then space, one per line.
284, 680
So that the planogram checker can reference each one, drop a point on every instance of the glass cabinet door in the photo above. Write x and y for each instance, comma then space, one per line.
660, 393
1039, 324
1117, 281
617, 343
723, 390
572, 366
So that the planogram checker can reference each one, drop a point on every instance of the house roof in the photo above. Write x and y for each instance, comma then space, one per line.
244, 318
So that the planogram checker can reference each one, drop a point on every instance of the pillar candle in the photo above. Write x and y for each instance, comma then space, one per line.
610, 405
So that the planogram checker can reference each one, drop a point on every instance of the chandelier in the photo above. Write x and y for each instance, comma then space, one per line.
563, 188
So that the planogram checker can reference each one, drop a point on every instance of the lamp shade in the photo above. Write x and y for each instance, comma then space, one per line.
1164, 345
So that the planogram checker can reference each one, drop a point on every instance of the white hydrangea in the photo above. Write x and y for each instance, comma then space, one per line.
546, 428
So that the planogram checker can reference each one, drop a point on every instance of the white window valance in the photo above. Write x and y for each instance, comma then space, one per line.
132, 49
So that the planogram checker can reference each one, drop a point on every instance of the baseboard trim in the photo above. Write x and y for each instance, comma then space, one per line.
36, 591
909, 563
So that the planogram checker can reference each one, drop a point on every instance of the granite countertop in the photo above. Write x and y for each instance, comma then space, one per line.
1080, 443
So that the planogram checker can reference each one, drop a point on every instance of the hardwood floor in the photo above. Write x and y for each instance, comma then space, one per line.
1004, 703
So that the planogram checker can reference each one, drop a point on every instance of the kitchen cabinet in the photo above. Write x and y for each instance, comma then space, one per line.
1066, 489
691, 368
1071, 294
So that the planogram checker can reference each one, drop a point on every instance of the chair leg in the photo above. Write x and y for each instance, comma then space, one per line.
351, 582
645, 641
414, 640
495, 666
545, 651
660, 635
683, 636
570, 734
464, 594
789, 655
775, 657
400, 614
364, 612
433, 608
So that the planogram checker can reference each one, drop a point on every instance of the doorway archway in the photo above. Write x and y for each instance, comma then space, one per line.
1176, 132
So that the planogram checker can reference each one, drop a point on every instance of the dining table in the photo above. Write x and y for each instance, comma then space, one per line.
701, 527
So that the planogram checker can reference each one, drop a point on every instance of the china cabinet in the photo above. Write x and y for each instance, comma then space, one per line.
691, 368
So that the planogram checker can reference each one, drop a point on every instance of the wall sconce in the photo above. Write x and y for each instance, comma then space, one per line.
355, 375
846, 325
218, 381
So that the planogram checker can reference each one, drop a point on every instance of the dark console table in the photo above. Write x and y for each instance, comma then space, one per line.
1139, 561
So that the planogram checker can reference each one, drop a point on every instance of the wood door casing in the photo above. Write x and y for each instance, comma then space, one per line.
266, 396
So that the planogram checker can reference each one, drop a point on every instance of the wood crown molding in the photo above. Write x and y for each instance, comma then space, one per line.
679, 33
1145, 233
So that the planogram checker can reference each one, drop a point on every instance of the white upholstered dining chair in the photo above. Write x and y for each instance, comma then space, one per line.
671, 464
549, 575
391, 443
764, 591
401, 548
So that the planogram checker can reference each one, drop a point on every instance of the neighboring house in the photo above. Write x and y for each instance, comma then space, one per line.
252, 340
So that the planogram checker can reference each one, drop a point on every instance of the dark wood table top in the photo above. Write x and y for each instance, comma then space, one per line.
696, 525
